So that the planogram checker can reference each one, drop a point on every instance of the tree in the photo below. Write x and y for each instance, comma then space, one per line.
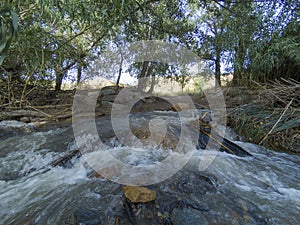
8, 29
160, 20
211, 33
59, 38
183, 78
276, 53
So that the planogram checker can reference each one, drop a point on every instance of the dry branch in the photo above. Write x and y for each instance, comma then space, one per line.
279, 119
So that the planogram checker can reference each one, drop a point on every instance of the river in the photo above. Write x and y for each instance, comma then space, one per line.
260, 189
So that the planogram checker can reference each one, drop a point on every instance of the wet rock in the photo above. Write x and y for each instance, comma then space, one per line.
106, 105
27, 222
156, 136
128, 95
88, 217
139, 194
11, 128
151, 104
6, 133
141, 213
187, 216
104, 108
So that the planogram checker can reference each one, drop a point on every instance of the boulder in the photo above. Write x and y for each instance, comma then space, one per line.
109, 90
180, 107
108, 98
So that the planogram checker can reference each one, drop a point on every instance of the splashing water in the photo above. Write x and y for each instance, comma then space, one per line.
261, 189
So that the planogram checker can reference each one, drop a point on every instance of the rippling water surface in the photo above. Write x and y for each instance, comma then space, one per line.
261, 189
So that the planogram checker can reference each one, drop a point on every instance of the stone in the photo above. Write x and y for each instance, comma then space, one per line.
88, 217
106, 104
25, 119
17, 126
188, 216
149, 100
27, 222
108, 98
139, 194
109, 90
181, 106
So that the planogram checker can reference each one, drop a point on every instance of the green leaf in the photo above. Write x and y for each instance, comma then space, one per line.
2, 46
13, 24
14, 19
3, 37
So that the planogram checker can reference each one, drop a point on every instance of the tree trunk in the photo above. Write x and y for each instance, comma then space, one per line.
58, 76
120, 73
218, 69
58, 81
152, 85
60, 73
238, 63
79, 74
146, 72
143, 74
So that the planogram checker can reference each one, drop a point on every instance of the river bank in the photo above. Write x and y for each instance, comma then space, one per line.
266, 115
45, 180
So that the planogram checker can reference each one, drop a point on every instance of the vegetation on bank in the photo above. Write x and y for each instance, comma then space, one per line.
272, 119
46, 42
60, 39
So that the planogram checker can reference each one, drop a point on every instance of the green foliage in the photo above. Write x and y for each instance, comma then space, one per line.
254, 121
8, 29
57, 38
279, 56
183, 78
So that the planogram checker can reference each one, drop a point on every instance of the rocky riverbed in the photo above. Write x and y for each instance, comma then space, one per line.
259, 189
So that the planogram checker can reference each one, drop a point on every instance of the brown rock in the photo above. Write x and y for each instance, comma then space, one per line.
139, 194
25, 119
180, 107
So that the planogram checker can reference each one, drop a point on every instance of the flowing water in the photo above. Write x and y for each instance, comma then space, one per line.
260, 189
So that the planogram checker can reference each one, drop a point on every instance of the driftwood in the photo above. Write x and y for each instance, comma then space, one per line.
281, 91
53, 106
47, 112
64, 159
61, 161
39, 107
222, 144
19, 113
